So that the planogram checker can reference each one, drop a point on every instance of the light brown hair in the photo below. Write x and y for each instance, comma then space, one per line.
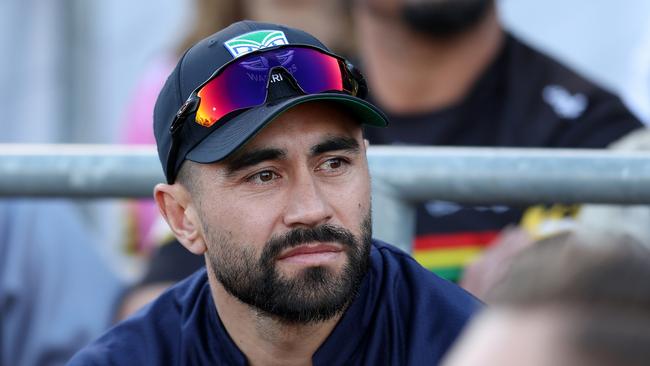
602, 282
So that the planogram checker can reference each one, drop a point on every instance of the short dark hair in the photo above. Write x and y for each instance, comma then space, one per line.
602, 283
187, 176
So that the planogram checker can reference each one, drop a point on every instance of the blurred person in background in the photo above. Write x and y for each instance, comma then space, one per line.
484, 272
56, 291
580, 298
330, 21
617, 56
447, 73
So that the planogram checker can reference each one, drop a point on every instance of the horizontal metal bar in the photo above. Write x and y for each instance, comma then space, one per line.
515, 176
79, 171
471, 175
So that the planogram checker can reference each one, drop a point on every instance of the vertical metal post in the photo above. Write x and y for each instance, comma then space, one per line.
393, 217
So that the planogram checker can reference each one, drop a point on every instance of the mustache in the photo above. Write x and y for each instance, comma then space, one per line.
300, 236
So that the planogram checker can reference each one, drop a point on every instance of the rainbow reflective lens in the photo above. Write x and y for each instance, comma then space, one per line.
243, 82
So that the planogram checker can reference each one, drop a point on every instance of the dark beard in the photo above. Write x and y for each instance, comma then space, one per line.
441, 19
315, 294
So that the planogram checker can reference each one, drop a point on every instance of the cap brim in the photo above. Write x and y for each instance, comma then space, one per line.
237, 131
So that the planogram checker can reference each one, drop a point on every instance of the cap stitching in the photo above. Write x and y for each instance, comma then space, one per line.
180, 76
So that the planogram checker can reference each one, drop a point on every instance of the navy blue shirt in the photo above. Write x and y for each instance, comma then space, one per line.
403, 315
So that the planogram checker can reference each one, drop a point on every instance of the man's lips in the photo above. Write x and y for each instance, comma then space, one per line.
311, 253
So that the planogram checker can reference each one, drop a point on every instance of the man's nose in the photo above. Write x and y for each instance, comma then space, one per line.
307, 204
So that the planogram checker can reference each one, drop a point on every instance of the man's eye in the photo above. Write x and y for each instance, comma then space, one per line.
332, 164
263, 177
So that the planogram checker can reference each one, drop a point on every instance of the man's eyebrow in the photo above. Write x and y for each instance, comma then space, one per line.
336, 143
253, 157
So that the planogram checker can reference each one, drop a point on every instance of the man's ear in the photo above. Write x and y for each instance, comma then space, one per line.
176, 206
366, 143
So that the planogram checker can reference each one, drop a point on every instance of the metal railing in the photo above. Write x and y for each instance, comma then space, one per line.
401, 177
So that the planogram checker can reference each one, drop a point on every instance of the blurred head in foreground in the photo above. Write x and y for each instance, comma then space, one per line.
567, 302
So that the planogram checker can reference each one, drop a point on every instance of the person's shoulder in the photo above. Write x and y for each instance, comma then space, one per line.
561, 84
566, 108
527, 58
152, 334
393, 265
423, 310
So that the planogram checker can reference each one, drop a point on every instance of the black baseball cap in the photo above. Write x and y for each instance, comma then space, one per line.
211, 144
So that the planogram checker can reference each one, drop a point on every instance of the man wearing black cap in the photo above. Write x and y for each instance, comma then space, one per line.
259, 133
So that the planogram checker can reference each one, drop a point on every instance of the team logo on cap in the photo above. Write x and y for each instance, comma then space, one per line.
254, 41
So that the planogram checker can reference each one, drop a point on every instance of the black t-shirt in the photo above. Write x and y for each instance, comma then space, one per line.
523, 99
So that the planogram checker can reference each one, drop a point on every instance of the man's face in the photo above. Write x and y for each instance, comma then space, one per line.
286, 219
513, 337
